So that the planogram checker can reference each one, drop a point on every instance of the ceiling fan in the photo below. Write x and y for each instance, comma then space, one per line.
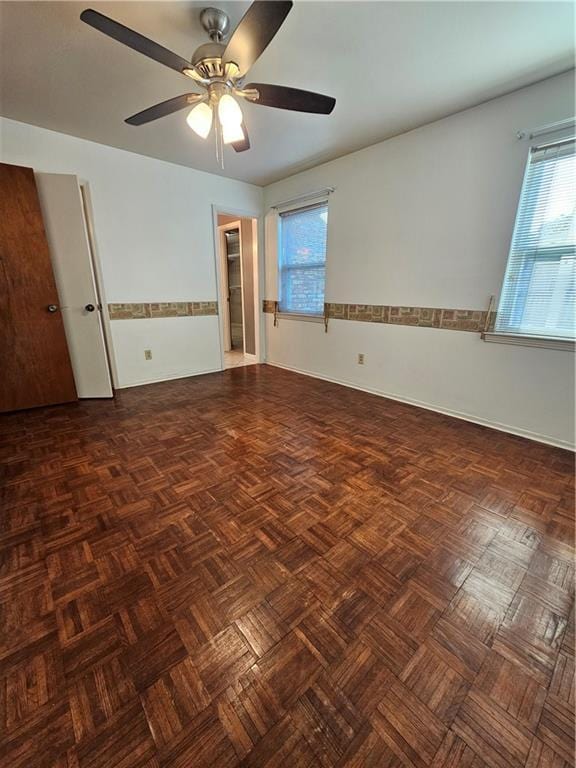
219, 69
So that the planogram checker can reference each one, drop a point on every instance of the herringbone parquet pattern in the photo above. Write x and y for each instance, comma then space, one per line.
257, 568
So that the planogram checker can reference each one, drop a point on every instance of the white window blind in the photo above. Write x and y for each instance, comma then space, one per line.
539, 290
303, 259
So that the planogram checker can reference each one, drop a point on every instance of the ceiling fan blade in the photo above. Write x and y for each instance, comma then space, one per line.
134, 40
282, 97
164, 108
242, 146
256, 29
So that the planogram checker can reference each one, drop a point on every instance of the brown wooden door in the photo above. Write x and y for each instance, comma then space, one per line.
35, 365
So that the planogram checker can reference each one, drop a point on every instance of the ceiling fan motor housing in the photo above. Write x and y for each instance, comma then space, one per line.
208, 59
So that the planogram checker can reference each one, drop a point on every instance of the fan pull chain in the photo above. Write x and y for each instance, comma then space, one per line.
221, 148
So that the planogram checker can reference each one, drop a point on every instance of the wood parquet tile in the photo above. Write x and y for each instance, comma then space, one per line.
255, 568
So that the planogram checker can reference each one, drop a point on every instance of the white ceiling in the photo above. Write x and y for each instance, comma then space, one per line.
391, 66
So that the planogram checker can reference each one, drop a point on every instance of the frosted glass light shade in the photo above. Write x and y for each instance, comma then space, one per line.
232, 133
200, 119
229, 112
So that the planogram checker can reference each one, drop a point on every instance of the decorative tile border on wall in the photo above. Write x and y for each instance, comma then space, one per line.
473, 320
162, 309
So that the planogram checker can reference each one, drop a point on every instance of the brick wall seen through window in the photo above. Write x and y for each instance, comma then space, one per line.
303, 260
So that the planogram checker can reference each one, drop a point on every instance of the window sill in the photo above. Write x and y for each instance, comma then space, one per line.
296, 316
546, 342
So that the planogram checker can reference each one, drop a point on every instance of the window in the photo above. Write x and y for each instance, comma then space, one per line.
303, 259
539, 288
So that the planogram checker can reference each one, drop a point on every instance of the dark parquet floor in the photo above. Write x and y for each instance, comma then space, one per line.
257, 568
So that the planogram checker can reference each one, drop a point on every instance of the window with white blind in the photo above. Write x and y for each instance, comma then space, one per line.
302, 262
539, 290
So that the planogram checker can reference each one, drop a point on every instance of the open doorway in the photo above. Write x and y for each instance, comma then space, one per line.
237, 239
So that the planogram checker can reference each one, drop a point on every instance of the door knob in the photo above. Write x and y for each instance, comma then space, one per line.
52, 308
89, 307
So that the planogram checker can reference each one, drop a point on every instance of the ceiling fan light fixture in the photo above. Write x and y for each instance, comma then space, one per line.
200, 119
219, 68
229, 112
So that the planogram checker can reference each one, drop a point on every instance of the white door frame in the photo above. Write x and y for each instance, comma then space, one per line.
225, 210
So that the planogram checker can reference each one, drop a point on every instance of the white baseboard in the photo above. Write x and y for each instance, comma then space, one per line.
537, 437
179, 375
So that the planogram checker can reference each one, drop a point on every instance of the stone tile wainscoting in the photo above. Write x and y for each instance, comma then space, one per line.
147, 310
473, 320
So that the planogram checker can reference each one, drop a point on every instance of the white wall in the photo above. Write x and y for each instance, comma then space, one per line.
425, 219
181, 346
154, 232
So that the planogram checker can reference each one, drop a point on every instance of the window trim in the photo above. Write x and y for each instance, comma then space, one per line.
308, 318
286, 210
525, 340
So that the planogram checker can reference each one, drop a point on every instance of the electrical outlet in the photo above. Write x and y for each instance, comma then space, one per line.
147, 354
360, 358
